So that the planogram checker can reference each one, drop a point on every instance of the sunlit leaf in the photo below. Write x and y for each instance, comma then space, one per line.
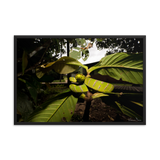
75, 54
81, 42
63, 65
140, 104
58, 109
98, 95
128, 67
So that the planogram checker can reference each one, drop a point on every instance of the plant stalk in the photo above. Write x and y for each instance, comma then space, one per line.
86, 112
88, 101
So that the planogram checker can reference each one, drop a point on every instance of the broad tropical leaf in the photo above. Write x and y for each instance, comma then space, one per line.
64, 65
58, 109
128, 67
24, 61
98, 95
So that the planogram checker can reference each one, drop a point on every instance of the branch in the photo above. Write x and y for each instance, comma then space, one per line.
88, 100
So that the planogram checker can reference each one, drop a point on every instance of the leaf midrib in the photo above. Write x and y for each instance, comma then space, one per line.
113, 66
57, 108
110, 66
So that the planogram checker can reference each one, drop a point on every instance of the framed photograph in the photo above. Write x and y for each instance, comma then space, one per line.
79, 80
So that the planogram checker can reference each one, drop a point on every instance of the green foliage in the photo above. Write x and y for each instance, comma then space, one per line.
85, 55
76, 54
32, 87
115, 45
24, 106
81, 42
64, 65
124, 103
58, 109
80, 51
98, 95
128, 67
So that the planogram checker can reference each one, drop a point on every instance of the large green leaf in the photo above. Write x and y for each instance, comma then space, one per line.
128, 67
98, 95
64, 65
67, 65
57, 109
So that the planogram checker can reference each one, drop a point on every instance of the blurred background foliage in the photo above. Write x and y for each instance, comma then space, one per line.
129, 45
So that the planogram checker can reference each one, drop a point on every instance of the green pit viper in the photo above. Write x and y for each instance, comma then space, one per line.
87, 84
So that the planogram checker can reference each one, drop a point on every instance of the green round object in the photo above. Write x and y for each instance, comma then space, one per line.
80, 78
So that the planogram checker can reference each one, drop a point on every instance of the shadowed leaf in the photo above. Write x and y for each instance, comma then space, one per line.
24, 61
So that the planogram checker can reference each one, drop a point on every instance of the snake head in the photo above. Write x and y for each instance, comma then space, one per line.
80, 78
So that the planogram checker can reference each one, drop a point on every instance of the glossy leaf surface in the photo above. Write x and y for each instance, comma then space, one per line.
58, 109
128, 67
